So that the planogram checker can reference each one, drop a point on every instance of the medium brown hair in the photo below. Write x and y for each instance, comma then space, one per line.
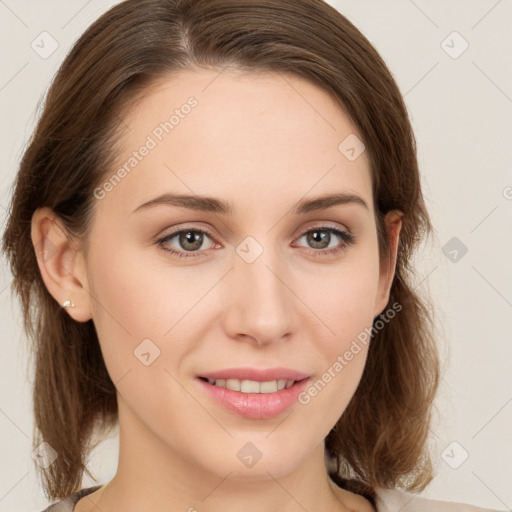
381, 438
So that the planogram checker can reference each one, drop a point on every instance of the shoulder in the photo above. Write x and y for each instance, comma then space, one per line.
391, 500
68, 504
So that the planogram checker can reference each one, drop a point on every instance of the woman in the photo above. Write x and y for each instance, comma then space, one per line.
211, 234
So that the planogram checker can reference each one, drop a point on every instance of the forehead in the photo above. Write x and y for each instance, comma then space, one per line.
237, 135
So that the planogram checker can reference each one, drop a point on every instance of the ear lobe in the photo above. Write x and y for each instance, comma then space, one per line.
393, 223
61, 265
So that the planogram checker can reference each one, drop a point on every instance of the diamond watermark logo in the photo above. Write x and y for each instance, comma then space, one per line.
454, 455
44, 45
249, 455
351, 147
44, 455
249, 250
146, 352
454, 249
454, 45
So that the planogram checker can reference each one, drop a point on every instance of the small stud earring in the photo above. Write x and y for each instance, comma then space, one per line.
68, 304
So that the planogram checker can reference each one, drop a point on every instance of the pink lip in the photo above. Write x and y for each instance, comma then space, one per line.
256, 405
256, 374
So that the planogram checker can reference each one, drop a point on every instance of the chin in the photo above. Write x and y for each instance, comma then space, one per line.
248, 461
262, 471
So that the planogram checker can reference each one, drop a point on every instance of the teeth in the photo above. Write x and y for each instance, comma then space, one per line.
267, 387
252, 386
232, 384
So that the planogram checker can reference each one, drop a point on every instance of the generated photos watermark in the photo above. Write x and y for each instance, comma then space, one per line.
156, 136
344, 359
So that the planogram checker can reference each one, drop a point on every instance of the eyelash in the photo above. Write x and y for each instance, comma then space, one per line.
348, 239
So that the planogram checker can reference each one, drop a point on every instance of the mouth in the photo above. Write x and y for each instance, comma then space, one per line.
252, 393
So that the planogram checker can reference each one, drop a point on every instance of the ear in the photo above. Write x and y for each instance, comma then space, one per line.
393, 223
62, 265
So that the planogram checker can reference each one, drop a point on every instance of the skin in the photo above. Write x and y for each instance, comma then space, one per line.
264, 142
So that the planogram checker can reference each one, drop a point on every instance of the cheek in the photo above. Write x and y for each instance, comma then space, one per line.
137, 297
342, 297
122, 304
344, 301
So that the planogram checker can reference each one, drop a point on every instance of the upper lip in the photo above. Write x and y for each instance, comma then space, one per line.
258, 375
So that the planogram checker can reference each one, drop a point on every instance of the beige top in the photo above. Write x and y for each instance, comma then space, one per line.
387, 500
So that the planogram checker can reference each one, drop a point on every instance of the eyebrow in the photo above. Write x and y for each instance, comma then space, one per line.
214, 205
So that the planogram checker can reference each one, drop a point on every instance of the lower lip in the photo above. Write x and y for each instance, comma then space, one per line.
256, 405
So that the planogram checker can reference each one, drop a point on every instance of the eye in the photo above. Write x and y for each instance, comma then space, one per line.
321, 237
190, 241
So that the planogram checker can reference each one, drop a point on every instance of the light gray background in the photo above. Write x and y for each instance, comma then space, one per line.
461, 112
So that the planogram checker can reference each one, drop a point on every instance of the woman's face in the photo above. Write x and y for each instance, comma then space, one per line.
264, 285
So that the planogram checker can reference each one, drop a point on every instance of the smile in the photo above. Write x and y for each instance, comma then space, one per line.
252, 386
255, 393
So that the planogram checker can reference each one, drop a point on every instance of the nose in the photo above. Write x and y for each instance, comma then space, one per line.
261, 304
